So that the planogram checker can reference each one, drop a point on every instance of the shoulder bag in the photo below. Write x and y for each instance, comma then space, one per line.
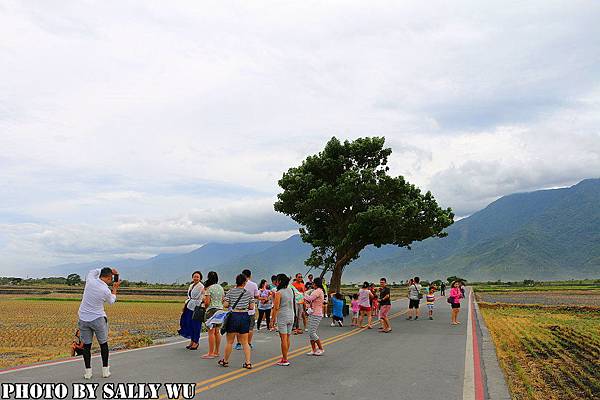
419, 294
199, 311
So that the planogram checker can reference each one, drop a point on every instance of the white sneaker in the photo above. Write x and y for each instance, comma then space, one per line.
319, 352
105, 372
311, 353
88, 373
340, 323
333, 324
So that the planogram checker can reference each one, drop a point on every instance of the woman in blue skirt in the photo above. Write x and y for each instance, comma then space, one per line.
189, 328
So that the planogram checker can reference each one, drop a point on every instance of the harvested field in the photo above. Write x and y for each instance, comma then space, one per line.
36, 330
563, 297
547, 352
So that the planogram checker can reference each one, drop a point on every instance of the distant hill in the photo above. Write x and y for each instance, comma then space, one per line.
546, 234
542, 235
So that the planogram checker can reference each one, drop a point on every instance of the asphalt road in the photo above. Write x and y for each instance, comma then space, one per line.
423, 359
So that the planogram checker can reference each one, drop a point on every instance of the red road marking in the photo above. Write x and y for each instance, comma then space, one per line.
476, 359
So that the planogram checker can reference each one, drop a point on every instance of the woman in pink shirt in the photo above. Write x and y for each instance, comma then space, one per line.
364, 303
314, 300
455, 295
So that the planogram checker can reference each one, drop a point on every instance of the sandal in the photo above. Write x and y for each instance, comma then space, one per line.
247, 365
223, 363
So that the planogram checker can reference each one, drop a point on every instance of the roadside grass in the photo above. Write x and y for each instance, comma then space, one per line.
547, 352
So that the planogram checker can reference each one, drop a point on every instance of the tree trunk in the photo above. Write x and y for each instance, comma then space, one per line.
323, 272
336, 277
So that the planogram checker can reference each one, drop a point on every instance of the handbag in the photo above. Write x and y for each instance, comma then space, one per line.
450, 299
199, 310
199, 313
226, 318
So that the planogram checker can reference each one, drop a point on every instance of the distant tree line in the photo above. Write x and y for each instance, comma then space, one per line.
75, 280
71, 280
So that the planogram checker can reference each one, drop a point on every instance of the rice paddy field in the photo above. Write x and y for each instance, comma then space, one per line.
41, 328
548, 342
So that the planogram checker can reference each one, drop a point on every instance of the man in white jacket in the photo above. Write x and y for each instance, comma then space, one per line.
92, 318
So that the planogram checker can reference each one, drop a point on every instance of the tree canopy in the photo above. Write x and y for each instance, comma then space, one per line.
345, 200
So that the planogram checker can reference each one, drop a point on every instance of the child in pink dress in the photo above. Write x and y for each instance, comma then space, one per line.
355, 308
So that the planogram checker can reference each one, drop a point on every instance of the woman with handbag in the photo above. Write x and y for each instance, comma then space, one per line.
190, 328
237, 322
213, 301
454, 300
314, 300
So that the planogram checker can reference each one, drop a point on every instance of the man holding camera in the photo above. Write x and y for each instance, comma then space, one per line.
92, 318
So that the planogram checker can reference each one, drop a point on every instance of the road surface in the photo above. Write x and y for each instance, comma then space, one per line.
423, 359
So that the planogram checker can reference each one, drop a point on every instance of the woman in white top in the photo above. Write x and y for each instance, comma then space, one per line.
188, 327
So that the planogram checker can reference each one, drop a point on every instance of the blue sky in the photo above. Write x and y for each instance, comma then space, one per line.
133, 128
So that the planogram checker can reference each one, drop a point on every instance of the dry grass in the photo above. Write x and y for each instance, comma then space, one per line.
547, 352
34, 330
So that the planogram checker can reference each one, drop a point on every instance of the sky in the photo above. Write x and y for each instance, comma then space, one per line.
133, 128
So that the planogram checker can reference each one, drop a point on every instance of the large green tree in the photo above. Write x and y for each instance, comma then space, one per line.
345, 200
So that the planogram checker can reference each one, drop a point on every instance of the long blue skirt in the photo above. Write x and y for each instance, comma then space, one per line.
188, 328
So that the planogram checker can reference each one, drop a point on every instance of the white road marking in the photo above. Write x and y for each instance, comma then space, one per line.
79, 359
469, 382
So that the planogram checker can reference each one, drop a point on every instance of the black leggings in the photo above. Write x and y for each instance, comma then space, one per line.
87, 354
265, 313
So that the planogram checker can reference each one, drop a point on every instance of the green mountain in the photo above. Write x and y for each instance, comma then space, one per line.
547, 234
541, 235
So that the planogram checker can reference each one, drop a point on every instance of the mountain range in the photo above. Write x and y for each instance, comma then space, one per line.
541, 235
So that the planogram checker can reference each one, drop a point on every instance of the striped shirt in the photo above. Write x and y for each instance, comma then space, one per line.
234, 293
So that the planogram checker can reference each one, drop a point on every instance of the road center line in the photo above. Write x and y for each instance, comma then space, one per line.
228, 377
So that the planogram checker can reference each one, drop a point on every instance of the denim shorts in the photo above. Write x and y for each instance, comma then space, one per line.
238, 322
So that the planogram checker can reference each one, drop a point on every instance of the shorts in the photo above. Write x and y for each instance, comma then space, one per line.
430, 306
252, 321
384, 310
285, 326
238, 322
354, 314
364, 308
336, 318
455, 305
99, 326
413, 303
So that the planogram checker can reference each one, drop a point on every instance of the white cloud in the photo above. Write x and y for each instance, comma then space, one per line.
180, 119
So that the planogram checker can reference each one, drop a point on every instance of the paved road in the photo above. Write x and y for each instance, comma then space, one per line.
419, 360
